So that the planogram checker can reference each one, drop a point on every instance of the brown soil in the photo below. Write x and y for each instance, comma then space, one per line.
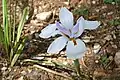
57, 67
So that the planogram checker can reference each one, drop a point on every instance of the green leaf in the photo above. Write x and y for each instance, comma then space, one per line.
104, 58
115, 22
117, 1
21, 24
17, 54
5, 25
81, 12
18, 47
108, 1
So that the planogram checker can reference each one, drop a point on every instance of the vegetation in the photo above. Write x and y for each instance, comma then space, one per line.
9, 36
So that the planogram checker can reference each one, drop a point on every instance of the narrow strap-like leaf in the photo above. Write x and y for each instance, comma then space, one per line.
5, 24
21, 24
17, 54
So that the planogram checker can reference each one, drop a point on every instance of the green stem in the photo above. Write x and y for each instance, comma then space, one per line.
77, 66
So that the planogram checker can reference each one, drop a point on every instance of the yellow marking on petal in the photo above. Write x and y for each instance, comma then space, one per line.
72, 39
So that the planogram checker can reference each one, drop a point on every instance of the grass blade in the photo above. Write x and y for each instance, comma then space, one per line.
21, 24
5, 25
16, 56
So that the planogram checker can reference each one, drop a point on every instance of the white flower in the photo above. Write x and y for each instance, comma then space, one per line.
75, 47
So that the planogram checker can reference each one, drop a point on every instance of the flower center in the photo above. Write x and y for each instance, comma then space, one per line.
72, 39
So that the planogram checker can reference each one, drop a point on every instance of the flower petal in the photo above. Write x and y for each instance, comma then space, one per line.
66, 18
80, 23
91, 24
62, 29
50, 30
75, 29
75, 51
57, 45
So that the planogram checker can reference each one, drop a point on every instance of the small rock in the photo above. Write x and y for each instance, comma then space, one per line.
94, 2
108, 37
37, 35
104, 14
44, 16
86, 39
29, 70
97, 10
96, 48
32, 32
117, 59
114, 36
9, 69
67, 3
113, 3
21, 78
3, 68
75, 1
114, 46
104, 7
35, 11
96, 61
111, 58
34, 22
23, 72
110, 13
38, 58
65, 63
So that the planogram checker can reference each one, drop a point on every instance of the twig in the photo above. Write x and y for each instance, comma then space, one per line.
51, 71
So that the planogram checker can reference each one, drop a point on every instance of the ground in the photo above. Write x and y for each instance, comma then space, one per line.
101, 61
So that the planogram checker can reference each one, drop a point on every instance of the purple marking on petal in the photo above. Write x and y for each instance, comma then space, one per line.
62, 29
71, 35
75, 29
80, 26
